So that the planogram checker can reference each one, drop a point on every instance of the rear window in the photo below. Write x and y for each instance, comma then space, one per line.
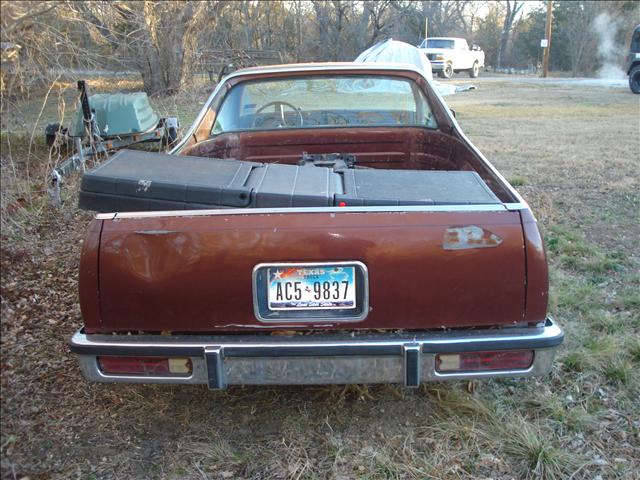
327, 101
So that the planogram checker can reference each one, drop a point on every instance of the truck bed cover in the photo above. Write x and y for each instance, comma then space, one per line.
141, 181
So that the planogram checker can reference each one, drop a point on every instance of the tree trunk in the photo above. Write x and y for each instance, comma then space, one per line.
152, 78
512, 12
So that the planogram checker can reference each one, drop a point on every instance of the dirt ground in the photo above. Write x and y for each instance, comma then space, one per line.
572, 151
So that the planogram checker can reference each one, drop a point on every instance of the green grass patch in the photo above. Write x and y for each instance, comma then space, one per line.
619, 370
605, 322
634, 349
574, 294
573, 417
600, 344
562, 241
537, 456
573, 253
630, 299
607, 354
575, 361
517, 181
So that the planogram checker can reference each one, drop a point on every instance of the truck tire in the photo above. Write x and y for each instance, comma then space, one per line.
446, 72
634, 79
475, 70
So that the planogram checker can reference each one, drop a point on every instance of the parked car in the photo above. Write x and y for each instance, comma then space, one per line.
449, 54
339, 228
633, 61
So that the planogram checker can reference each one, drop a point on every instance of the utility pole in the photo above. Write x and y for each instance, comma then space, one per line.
547, 34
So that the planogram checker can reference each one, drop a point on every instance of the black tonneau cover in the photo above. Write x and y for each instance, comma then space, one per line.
134, 180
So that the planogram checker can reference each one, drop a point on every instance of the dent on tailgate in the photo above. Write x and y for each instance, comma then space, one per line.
425, 269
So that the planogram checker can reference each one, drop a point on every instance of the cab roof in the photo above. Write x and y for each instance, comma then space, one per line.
325, 66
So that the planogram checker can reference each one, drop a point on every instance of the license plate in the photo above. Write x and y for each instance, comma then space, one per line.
311, 292
311, 288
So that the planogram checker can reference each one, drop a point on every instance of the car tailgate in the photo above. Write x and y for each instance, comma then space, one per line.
192, 271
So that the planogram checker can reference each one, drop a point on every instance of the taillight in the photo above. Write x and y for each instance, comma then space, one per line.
146, 366
484, 361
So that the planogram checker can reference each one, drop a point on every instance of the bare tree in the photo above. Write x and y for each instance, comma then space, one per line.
157, 38
443, 17
26, 45
579, 35
165, 41
512, 10
375, 20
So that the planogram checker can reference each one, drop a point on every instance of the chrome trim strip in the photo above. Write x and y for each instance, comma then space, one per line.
357, 318
354, 209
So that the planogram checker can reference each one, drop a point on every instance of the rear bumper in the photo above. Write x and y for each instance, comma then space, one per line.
406, 358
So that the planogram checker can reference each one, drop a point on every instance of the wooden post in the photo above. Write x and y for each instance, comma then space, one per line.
547, 34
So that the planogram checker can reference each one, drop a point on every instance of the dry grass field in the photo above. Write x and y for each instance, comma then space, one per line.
573, 152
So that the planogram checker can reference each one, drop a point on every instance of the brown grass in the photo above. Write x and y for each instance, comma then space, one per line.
579, 159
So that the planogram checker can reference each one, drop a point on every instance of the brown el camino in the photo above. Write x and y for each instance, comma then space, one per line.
318, 224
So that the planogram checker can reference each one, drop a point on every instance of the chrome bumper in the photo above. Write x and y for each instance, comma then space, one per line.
407, 358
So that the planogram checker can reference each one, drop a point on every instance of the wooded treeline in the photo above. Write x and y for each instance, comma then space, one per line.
164, 40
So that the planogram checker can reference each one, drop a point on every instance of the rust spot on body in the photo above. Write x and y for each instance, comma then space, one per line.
468, 237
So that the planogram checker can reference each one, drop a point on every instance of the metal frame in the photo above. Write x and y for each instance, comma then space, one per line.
404, 358
312, 319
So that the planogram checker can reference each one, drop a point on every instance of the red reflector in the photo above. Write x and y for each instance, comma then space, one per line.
146, 366
484, 361
342, 204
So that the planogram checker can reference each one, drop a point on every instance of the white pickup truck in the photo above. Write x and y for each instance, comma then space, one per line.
448, 55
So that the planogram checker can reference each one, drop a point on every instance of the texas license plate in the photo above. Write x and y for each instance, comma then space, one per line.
311, 288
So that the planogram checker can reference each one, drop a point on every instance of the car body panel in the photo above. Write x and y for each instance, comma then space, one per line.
171, 273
